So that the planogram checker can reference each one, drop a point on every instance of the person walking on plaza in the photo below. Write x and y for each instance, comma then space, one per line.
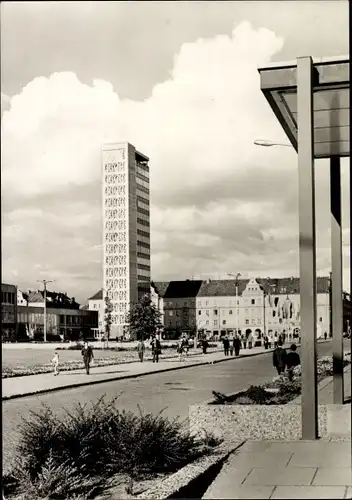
226, 343
156, 349
55, 361
250, 341
266, 342
237, 344
275, 340
231, 339
325, 335
279, 358
181, 349
244, 341
87, 353
140, 350
204, 345
292, 360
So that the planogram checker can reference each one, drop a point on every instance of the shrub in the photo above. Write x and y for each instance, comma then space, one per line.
98, 441
258, 394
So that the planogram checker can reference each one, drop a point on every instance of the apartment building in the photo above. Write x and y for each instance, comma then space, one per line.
126, 228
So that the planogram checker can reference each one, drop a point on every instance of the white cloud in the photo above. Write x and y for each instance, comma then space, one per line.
219, 202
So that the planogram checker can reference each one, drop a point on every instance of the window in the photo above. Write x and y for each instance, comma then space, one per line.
199, 312
253, 301
185, 303
224, 322
247, 321
177, 313
230, 311
206, 302
215, 312
177, 323
207, 312
320, 319
170, 313
207, 322
215, 322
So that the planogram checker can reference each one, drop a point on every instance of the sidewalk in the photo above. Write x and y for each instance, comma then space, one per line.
288, 470
15, 387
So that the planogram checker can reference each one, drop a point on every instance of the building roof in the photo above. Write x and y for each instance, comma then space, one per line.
53, 299
84, 307
97, 296
160, 287
277, 286
183, 289
222, 288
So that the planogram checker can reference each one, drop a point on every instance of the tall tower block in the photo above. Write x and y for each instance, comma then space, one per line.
126, 228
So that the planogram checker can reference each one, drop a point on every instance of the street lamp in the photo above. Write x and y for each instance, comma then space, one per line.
45, 282
236, 285
267, 144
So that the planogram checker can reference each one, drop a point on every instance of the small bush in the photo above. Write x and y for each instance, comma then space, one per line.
97, 441
258, 394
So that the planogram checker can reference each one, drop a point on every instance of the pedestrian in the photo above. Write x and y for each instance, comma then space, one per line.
226, 344
156, 349
231, 339
279, 358
181, 349
292, 360
244, 341
250, 341
55, 361
325, 335
140, 350
266, 342
275, 340
204, 345
87, 353
237, 344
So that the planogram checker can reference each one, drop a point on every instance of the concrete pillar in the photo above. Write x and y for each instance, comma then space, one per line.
307, 248
336, 279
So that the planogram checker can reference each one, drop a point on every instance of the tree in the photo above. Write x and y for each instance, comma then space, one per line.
143, 319
107, 318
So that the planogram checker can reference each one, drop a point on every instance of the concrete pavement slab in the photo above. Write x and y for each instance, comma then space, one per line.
288, 476
256, 446
349, 492
261, 459
292, 492
337, 455
234, 491
298, 446
333, 476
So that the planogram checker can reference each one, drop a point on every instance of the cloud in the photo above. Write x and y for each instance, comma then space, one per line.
219, 203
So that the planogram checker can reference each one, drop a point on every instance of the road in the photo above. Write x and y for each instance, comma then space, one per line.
173, 391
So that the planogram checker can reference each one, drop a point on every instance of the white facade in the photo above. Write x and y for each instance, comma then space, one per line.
98, 305
21, 300
126, 233
279, 312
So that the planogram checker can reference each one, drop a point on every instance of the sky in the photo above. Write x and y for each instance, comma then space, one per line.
179, 81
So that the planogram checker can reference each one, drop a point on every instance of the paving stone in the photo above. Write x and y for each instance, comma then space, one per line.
292, 492
225, 483
335, 456
349, 492
256, 446
261, 459
295, 476
299, 446
251, 492
331, 476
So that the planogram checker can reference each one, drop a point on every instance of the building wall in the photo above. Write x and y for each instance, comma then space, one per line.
99, 306
60, 321
124, 229
21, 301
180, 313
8, 310
222, 314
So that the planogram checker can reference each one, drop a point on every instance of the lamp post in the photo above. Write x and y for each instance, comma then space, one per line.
45, 282
236, 286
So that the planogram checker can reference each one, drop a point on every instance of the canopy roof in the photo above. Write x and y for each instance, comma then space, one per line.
331, 102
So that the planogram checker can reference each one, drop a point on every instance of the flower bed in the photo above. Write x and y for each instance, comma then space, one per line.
60, 458
280, 390
128, 356
262, 412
